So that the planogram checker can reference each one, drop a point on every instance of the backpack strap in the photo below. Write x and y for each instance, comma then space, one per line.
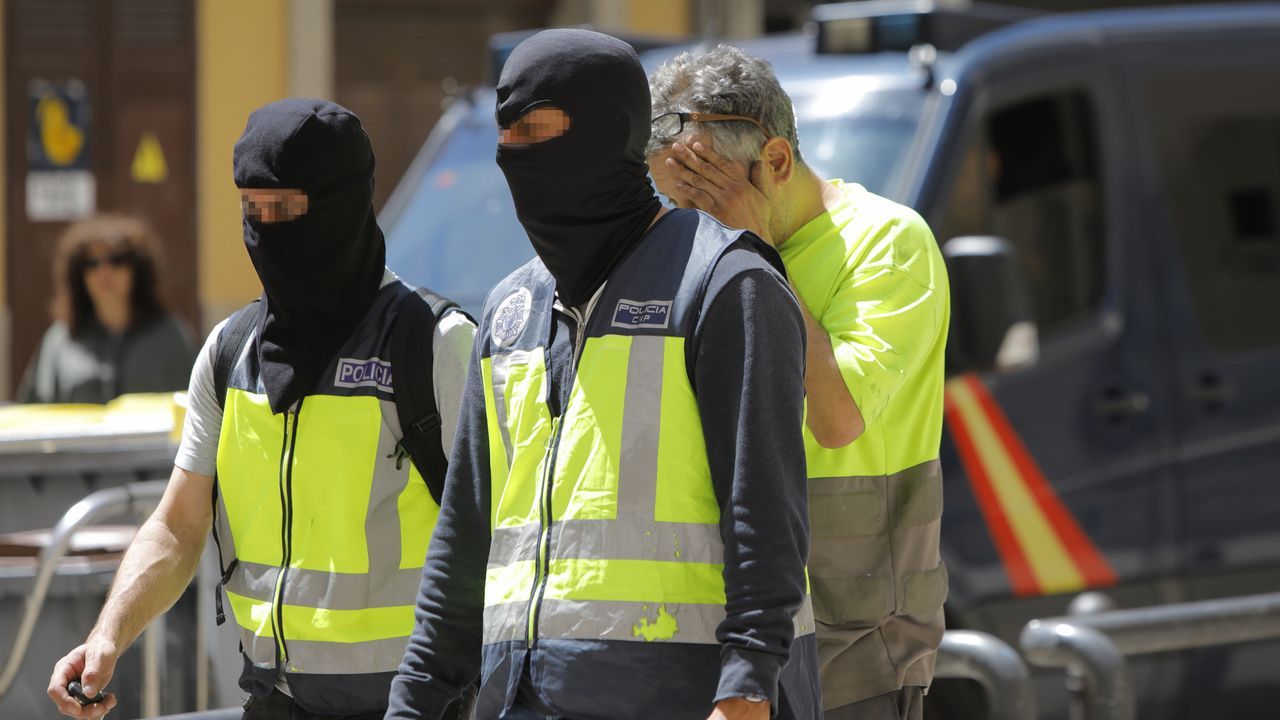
230, 344
412, 359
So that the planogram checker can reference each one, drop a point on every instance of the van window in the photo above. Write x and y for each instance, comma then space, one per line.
1219, 161
1029, 174
458, 233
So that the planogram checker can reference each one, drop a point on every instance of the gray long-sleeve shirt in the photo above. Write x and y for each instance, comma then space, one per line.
95, 365
747, 369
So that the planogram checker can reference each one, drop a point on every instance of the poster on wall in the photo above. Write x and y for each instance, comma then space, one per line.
60, 185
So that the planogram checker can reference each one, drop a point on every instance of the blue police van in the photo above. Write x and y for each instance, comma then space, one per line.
1106, 189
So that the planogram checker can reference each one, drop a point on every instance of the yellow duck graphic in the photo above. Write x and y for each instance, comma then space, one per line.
62, 140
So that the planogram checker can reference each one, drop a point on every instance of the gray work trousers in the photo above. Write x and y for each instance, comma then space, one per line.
904, 704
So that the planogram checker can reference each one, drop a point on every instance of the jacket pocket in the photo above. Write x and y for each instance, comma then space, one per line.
850, 568
925, 591
855, 514
841, 601
919, 494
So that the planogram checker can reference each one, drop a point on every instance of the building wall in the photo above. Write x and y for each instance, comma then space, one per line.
311, 48
670, 18
129, 66
243, 63
397, 62
659, 17
6, 392
250, 52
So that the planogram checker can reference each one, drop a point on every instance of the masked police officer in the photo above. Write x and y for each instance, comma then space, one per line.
322, 523
623, 532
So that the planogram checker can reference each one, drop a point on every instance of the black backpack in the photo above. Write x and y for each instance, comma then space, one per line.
411, 347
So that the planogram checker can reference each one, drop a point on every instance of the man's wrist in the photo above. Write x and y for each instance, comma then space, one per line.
105, 640
748, 673
740, 708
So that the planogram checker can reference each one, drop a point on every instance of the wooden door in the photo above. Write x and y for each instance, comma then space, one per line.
396, 62
134, 60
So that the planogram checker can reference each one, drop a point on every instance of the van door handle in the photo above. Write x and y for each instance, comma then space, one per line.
1210, 391
1119, 403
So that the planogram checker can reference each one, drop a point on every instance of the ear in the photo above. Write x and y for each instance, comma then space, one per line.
778, 160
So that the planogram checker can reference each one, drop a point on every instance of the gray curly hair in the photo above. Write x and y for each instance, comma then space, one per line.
725, 80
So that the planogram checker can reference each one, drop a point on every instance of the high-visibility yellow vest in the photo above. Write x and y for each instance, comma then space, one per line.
605, 524
324, 529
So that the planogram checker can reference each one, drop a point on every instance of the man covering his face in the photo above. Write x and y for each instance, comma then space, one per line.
873, 290
624, 530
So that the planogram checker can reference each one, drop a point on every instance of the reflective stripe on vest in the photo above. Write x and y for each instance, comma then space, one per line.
613, 549
605, 521
322, 488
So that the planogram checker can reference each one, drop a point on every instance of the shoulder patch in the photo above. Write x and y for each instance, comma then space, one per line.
511, 317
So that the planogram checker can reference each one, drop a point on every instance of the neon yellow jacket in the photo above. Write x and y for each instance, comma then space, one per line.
871, 274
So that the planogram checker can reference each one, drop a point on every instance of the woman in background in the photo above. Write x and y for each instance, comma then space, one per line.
111, 334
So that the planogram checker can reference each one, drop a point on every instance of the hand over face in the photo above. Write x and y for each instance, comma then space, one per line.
697, 177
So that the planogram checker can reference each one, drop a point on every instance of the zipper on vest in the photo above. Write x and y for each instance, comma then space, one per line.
545, 519
286, 526
544, 538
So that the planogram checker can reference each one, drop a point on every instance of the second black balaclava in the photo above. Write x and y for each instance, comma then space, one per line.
584, 198
320, 271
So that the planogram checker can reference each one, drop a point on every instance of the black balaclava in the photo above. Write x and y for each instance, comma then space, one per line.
320, 271
584, 198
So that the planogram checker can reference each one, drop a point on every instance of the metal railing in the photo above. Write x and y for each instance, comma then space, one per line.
1094, 646
138, 499
1101, 686
993, 664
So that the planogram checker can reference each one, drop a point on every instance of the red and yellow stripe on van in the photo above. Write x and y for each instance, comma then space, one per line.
1042, 547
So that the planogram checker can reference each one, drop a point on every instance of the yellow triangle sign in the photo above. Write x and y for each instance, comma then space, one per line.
148, 160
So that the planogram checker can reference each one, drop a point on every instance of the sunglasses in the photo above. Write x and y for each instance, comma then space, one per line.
119, 259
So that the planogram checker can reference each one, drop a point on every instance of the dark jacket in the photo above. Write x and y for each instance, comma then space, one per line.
746, 365
95, 366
